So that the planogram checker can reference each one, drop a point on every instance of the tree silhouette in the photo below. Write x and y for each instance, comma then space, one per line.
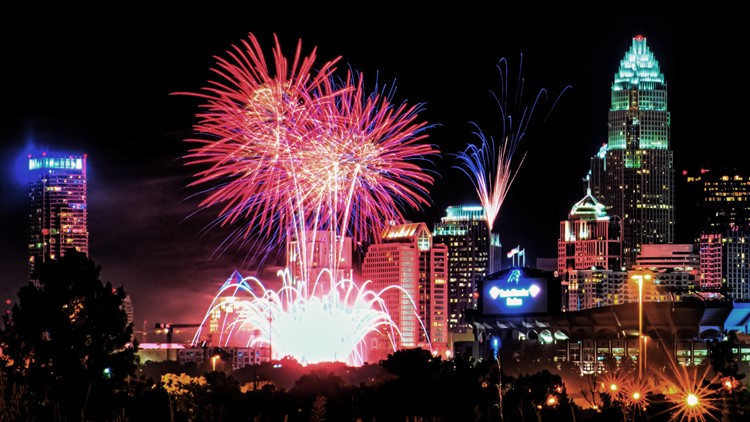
722, 356
529, 395
68, 339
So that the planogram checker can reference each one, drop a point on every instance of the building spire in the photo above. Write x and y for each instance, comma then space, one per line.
639, 66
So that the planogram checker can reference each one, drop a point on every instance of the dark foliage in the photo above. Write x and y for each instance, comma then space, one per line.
67, 340
722, 356
528, 398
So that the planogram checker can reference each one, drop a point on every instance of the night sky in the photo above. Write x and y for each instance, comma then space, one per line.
86, 81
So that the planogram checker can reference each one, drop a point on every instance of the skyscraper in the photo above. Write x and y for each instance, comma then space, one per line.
711, 255
725, 264
717, 201
315, 253
58, 218
736, 264
472, 251
635, 177
588, 251
588, 238
411, 271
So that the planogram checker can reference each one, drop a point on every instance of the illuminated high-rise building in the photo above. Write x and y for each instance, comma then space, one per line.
711, 252
589, 241
673, 257
717, 201
736, 264
319, 255
411, 272
58, 216
634, 177
717, 210
725, 264
473, 253
588, 238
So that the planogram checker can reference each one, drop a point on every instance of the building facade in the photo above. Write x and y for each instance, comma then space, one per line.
589, 238
595, 288
473, 253
725, 264
711, 263
736, 268
635, 177
411, 272
716, 200
58, 214
676, 256
598, 288
317, 256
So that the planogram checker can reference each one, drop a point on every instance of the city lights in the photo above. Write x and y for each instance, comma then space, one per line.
301, 173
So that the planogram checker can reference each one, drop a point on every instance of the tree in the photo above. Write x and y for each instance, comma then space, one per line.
722, 356
538, 396
67, 338
628, 366
724, 362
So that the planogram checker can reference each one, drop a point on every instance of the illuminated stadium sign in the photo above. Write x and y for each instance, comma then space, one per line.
515, 292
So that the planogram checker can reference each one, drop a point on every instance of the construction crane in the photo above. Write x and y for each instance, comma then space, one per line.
142, 335
169, 328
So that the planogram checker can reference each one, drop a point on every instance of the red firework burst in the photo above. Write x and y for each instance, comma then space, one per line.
292, 150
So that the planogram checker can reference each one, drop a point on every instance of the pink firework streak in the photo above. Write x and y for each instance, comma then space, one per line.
294, 153
492, 169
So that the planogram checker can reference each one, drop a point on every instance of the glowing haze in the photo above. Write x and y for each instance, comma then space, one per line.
290, 154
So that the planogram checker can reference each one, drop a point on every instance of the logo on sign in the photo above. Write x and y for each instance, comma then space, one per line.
514, 296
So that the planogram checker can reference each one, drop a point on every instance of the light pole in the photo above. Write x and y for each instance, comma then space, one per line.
645, 352
639, 279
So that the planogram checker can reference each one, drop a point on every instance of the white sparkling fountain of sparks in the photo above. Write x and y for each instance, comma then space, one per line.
290, 319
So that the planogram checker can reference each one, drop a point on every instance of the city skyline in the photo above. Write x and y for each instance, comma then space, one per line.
116, 105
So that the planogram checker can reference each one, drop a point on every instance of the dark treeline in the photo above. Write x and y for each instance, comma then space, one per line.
66, 355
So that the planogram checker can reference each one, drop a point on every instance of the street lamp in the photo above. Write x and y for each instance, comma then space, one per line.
639, 279
214, 358
692, 400
645, 352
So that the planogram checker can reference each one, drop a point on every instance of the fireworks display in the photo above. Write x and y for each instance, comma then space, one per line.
292, 151
491, 168
323, 327
299, 151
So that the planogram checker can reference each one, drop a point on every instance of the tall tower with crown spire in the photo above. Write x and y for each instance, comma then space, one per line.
634, 178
